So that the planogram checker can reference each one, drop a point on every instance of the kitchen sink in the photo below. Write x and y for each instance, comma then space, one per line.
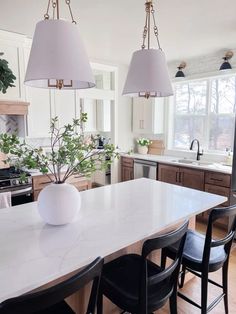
193, 162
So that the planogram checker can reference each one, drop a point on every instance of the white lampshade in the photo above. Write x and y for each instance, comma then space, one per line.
58, 53
148, 73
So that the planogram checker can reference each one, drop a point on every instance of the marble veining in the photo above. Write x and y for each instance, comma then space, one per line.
111, 218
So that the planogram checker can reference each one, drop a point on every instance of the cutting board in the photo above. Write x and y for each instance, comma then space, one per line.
156, 148
2, 158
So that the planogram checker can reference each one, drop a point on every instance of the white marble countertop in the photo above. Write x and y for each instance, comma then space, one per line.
173, 160
111, 218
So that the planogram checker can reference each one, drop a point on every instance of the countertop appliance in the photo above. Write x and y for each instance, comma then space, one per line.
145, 169
19, 183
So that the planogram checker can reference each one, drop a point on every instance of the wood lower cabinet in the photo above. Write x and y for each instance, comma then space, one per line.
127, 169
186, 177
193, 179
208, 181
41, 181
168, 174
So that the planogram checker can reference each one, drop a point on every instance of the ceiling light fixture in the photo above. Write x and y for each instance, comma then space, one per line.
148, 73
58, 58
226, 65
180, 73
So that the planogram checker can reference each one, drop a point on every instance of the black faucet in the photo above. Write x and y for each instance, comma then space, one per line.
198, 148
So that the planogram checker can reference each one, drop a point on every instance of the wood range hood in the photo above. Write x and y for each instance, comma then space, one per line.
12, 107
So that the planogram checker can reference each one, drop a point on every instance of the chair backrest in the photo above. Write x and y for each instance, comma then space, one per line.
33, 302
217, 213
169, 274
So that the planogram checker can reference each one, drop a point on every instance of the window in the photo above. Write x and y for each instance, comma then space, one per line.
205, 110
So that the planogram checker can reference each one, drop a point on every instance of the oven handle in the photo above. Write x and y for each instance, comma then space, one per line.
23, 191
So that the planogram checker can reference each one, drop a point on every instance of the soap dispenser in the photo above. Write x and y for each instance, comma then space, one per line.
229, 159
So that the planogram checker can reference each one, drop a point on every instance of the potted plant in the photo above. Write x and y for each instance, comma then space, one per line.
70, 153
143, 144
7, 78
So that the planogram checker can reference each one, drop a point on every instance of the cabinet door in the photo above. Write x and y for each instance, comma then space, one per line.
104, 115
192, 178
127, 173
39, 116
64, 102
148, 115
89, 107
168, 174
141, 122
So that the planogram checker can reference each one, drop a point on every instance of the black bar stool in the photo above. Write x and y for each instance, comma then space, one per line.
51, 300
137, 285
203, 255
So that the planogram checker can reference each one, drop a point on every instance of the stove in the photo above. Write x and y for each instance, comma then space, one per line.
19, 183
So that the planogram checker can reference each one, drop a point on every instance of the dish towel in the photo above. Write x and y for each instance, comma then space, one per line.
5, 199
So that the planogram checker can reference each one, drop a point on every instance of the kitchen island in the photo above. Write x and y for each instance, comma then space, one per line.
111, 219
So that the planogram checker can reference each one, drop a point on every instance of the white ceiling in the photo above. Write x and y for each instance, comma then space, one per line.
112, 30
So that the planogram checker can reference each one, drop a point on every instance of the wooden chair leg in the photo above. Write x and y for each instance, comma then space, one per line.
204, 292
225, 286
182, 277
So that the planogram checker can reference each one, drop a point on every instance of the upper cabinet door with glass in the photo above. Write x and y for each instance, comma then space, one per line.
148, 115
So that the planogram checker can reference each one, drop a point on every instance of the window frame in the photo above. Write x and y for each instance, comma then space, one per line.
170, 111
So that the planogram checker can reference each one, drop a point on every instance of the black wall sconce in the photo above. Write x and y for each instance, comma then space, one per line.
226, 65
180, 68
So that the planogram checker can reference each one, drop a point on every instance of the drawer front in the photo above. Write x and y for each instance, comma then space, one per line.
218, 190
128, 162
220, 179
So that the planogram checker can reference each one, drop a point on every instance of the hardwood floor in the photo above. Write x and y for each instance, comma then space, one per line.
193, 287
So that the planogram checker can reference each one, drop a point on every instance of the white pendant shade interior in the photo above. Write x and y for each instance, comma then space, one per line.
58, 58
148, 74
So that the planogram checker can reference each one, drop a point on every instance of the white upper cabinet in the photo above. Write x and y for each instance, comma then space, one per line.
64, 106
148, 115
89, 106
104, 115
39, 116
11, 45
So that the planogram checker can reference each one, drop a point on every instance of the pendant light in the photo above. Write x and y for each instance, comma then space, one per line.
226, 65
180, 73
148, 73
58, 59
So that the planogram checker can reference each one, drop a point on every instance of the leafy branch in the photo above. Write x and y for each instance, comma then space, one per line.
7, 77
70, 152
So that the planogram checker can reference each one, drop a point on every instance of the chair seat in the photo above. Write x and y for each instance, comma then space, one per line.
193, 253
121, 282
59, 308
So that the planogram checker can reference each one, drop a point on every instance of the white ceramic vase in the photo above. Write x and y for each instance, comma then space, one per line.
142, 149
59, 203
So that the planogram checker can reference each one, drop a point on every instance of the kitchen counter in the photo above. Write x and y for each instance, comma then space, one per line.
111, 218
173, 160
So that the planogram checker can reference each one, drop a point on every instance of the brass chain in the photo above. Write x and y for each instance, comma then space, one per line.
53, 3
156, 31
46, 15
71, 13
146, 32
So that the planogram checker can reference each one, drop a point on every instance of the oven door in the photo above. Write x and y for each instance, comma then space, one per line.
22, 196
